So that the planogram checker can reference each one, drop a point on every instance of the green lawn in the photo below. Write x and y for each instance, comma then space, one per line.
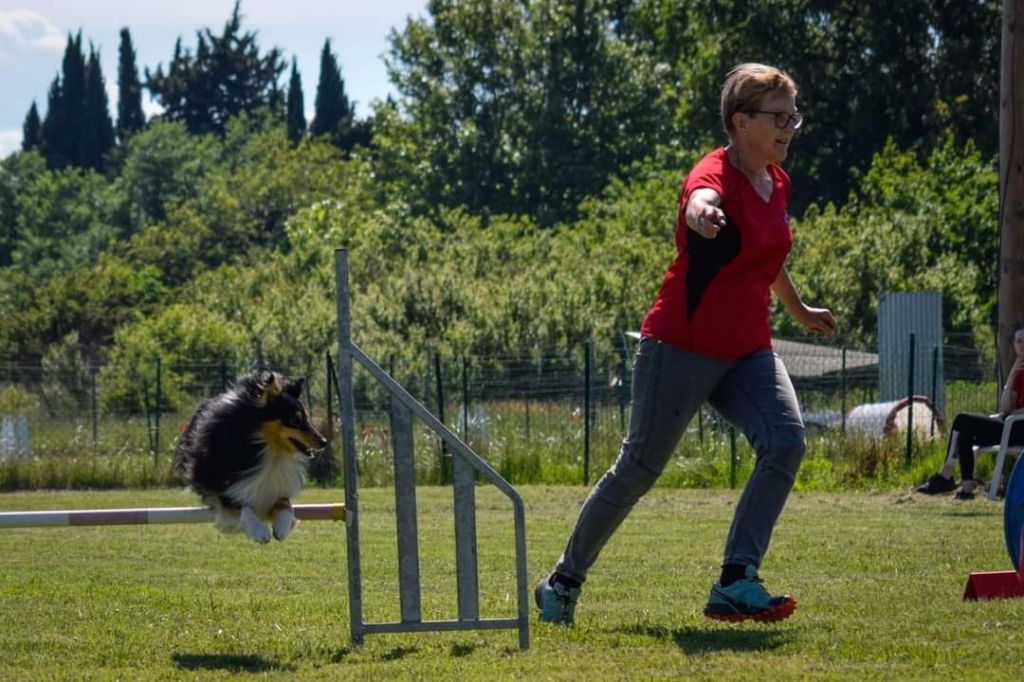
878, 578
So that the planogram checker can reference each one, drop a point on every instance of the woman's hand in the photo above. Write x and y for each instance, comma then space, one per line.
703, 215
817, 320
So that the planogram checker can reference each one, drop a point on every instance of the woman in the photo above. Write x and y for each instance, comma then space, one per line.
707, 338
970, 430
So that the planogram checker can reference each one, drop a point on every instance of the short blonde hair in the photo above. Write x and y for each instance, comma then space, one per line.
747, 85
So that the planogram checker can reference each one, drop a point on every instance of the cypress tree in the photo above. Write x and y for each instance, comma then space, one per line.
129, 90
296, 115
32, 130
52, 122
96, 132
334, 115
62, 127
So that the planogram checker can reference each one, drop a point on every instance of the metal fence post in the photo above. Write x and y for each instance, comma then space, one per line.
465, 400
842, 393
910, 402
330, 411
587, 369
95, 416
444, 466
159, 407
732, 457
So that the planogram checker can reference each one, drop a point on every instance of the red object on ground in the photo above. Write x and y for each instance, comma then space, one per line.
994, 585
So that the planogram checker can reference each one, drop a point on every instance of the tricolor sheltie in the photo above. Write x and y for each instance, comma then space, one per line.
245, 454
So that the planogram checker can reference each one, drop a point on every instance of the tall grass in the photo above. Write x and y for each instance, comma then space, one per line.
832, 462
527, 442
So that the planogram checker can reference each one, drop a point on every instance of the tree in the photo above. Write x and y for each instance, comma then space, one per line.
295, 118
333, 115
909, 226
96, 135
77, 130
227, 75
31, 131
129, 102
62, 128
515, 107
165, 166
1011, 186
867, 70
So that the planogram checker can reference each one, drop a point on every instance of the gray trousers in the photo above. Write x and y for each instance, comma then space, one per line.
754, 394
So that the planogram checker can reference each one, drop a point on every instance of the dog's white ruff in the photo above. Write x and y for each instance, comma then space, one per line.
277, 477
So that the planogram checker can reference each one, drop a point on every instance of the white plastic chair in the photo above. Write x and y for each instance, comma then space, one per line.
1001, 450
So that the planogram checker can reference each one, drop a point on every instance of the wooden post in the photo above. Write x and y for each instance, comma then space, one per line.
1011, 182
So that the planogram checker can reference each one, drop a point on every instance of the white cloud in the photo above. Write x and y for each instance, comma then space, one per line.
22, 29
10, 141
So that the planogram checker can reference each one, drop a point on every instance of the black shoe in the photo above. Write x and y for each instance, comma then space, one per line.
936, 485
964, 495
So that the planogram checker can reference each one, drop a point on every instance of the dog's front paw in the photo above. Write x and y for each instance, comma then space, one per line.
284, 521
254, 527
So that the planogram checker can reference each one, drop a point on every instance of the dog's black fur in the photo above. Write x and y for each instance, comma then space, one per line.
245, 454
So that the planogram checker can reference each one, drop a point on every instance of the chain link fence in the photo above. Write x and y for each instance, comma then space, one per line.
553, 418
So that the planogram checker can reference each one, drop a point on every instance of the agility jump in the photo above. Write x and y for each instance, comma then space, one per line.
466, 464
154, 515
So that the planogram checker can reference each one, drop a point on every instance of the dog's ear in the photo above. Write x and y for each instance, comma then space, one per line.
293, 387
270, 386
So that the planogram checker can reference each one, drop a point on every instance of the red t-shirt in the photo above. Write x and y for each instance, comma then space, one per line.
1018, 387
715, 298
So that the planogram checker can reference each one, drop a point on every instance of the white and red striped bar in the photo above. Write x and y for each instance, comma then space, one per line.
133, 517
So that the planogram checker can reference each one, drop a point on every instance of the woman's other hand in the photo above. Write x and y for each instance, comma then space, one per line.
818, 321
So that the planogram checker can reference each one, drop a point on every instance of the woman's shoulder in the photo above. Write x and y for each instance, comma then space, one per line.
711, 165
715, 159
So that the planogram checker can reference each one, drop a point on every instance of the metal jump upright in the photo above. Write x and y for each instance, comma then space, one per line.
466, 464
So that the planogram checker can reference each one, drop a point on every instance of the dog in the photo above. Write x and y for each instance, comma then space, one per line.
245, 453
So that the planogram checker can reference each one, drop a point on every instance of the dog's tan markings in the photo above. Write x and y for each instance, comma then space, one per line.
276, 437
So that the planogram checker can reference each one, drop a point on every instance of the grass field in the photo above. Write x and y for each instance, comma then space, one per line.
878, 578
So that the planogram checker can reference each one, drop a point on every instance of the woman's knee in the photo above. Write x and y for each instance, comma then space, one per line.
626, 482
959, 421
787, 447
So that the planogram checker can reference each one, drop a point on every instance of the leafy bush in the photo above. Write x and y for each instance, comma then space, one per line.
177, 335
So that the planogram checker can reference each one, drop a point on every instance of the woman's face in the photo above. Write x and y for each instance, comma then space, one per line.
763, 136
1018, 342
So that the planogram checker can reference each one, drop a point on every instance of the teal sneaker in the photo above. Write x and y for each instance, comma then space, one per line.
746, 599
556, 602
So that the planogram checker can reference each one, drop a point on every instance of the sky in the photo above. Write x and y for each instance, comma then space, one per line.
33, 35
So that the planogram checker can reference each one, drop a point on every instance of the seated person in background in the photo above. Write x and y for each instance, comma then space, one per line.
969, 430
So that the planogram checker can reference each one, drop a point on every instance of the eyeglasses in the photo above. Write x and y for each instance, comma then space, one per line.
783, 119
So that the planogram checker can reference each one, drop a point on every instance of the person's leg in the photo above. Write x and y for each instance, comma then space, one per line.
757, 397
973, 430
668, 386
966, 431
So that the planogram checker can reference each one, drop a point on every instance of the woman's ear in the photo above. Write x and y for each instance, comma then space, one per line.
740, 121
